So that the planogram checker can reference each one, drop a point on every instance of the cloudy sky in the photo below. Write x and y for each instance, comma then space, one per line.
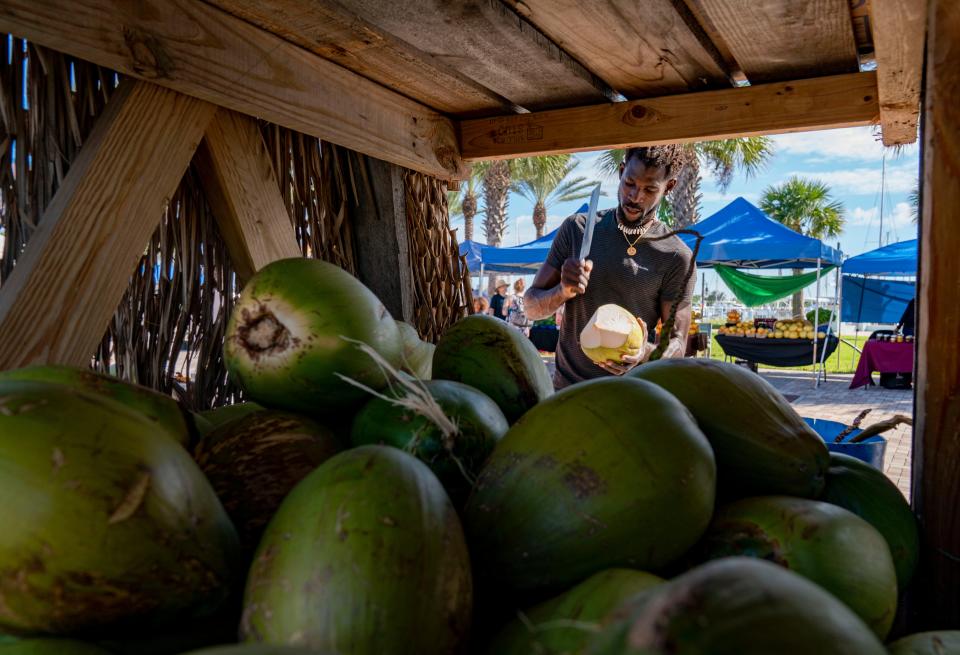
851, 161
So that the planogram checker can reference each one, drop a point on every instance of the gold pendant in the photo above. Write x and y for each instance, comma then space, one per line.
631, 251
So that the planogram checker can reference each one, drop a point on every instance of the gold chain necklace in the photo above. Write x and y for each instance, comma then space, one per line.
631, 249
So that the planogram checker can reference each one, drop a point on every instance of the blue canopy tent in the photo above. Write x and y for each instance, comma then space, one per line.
742, 236
894, 259
524, 259
876, 300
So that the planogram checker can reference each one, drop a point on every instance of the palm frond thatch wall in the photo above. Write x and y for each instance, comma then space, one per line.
173, 316
441, 283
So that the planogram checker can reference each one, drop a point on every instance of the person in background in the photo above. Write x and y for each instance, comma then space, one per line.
516, 316
907, 325
481, 305
498, 304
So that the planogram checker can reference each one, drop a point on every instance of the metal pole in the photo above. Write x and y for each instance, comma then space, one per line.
480, 281
816, 321
839, 297
703, 292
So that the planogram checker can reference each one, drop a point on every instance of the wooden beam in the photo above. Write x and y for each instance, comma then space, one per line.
59, 299
898, 31
244, 196
201, 51
776, 40
936, 446
862, 30
336, 34
491, 44
837, 101
380, 232
665, 54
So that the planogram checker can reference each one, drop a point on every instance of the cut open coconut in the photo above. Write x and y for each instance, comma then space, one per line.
611, 333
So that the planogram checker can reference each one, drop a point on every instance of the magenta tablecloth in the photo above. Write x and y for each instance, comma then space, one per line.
883, 357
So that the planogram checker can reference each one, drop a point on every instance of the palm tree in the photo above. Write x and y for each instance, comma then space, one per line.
454, 203
495, 179
463, 202
805, 206
914, 200
541, 181
724, 157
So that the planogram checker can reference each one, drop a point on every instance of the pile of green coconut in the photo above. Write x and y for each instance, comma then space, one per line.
377, 495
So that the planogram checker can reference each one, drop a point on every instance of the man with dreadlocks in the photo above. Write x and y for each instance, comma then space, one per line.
625, 268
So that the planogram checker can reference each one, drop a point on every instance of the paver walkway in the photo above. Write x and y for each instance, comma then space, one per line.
833, 400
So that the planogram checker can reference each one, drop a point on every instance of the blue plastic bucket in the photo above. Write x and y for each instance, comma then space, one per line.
870, 450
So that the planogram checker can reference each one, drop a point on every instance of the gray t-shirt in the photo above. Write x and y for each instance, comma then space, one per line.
638, 283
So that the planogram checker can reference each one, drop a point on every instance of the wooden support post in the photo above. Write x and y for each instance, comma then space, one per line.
383, 249
242, 188
58, 301
898, 27
936, 454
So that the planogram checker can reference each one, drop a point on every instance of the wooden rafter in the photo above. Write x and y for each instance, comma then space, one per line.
776, 40
334, 33
244, 195
204, 52
488, 42
640, 49
836, 101
898, 31
58, 301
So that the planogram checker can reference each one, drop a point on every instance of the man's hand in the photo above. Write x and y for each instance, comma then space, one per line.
574, 276
627, 362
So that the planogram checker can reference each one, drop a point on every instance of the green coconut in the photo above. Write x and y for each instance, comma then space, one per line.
606, 473
417, 354
860, 488
158, 408
564, 624
106, 520
254, 461
735, 606
449, 426
217, 416
762, 445
50, 647
487, 354
942, 642
822, 542
365, 556
611, 333
292, 336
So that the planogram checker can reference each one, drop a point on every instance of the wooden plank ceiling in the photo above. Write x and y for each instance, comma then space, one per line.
394, 79
475, 58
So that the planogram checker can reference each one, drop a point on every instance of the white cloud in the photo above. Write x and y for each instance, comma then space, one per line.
860, 216
856, 143
901, 216
866, 181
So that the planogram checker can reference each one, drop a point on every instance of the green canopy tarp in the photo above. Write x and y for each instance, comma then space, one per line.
753, 290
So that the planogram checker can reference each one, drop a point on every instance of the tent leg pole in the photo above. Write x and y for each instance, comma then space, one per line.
816, 321
838, 299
